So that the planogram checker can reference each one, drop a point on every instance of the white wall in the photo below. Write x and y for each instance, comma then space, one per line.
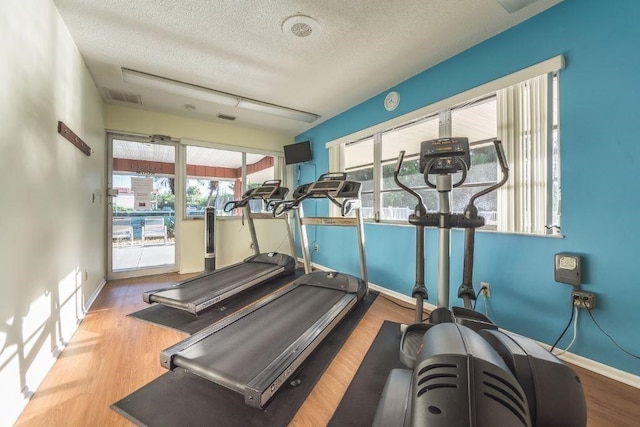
191, 258
52, 231
233, 240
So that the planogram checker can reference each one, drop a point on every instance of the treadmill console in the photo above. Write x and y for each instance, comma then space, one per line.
267, 190
301, 190
350, 190
330, 184
330, 187
445, 155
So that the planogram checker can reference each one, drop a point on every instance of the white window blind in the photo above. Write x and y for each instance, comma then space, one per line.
524, 127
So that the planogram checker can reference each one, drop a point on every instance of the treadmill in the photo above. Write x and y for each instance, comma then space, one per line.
260, 348
203, 291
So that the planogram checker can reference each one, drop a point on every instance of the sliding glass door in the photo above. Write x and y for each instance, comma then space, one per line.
142, 207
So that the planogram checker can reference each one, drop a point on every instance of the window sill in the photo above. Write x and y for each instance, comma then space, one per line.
481, 230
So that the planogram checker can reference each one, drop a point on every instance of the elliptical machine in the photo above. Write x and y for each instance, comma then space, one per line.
463, 371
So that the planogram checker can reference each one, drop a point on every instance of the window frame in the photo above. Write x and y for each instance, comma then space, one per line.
550, 66
279, 170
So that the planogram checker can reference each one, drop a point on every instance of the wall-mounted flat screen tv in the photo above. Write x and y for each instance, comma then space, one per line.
297, 153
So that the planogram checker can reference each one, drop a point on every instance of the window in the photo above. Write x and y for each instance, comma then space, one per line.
216, 176
396, 204
358, 163
523, 116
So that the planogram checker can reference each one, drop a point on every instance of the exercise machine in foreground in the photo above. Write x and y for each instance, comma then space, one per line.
260, 348
203, 291
461, 370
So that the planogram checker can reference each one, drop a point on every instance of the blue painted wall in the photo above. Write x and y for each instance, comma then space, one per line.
600, 149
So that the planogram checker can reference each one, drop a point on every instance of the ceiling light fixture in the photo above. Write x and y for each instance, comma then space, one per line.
213, 96
513, 6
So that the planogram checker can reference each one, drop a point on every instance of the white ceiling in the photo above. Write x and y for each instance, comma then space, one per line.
362, 48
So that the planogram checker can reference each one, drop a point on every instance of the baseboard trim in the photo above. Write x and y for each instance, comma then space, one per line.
583, 362
93, 296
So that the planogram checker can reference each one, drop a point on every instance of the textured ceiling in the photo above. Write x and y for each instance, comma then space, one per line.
362, 48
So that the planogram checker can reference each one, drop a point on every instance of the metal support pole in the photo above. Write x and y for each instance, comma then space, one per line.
443, 185
304, 240
252, 229
363, 258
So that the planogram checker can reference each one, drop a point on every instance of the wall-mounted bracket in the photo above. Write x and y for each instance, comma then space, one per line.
69, 135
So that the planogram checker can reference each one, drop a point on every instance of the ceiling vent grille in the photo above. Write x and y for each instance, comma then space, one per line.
301, 26
120, 96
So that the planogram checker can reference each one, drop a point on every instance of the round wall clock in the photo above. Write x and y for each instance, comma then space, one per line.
391, 101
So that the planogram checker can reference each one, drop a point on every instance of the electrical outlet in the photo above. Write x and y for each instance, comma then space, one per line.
485, 289
316, 248
583, 299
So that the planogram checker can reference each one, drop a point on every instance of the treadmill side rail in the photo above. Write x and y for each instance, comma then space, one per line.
264, 386
208, 302
275, 265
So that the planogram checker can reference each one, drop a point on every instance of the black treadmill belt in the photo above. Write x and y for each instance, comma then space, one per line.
214, 284
240, 351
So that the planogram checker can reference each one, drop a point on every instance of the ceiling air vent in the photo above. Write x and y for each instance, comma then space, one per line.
118, 95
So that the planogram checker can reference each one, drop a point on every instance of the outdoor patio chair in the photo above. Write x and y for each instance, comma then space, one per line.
154, 227
122, 229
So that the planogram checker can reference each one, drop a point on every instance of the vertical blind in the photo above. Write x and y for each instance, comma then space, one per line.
524, 128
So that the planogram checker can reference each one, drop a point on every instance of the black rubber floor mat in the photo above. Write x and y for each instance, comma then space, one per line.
358, 405
184, 399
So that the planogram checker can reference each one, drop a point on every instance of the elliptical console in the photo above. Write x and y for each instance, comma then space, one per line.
445, 155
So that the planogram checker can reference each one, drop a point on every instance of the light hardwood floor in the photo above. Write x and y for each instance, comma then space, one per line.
112, 355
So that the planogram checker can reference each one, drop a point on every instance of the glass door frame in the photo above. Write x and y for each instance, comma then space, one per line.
178, 211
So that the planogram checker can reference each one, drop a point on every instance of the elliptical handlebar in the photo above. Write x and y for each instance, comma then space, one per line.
466, 291
419, 291
504, 168
464, 167
420, 207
